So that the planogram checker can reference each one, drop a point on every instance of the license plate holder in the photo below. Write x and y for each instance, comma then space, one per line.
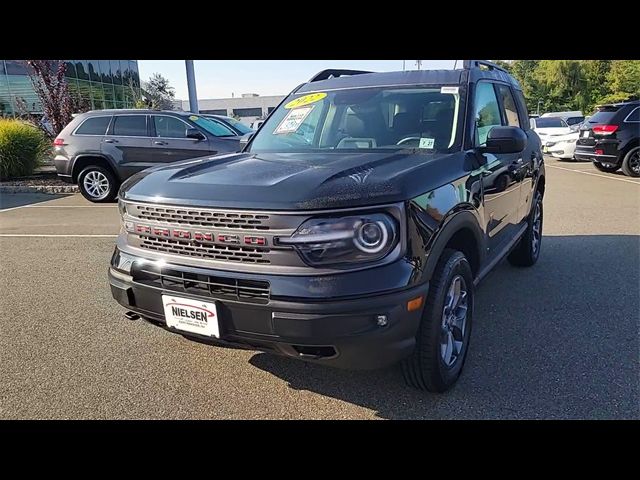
191, 315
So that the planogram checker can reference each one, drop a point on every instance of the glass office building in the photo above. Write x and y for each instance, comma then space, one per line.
94, 84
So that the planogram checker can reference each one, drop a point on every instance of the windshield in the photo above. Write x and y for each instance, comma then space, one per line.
364, 118
216, 129
550, 122
238, 125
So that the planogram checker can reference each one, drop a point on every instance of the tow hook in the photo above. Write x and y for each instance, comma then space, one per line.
131, 315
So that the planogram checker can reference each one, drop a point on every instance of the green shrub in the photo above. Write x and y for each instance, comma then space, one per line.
22, 148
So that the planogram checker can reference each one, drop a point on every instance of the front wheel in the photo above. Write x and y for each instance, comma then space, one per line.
527, 250
97, 184
442, 340
605, 168
631, 163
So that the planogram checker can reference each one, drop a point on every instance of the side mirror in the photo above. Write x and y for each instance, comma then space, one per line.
505, 140
195, 134
245, 139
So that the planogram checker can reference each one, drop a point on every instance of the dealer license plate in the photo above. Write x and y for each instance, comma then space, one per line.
585, 134
193, 316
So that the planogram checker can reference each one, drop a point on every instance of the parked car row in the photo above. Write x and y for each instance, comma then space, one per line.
609, 138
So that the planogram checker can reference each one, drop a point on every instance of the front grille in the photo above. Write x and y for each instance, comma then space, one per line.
227, 253
203, 218
203, 285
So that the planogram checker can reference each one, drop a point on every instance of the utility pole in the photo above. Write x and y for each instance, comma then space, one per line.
403, 65
418, 64
191, 86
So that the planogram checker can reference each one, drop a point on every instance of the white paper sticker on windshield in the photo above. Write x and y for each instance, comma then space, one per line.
293, 120
426, 142
450, 90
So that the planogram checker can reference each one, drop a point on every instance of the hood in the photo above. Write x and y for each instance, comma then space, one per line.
293, 181
552, 131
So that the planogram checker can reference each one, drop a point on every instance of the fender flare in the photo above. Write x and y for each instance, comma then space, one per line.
454, 223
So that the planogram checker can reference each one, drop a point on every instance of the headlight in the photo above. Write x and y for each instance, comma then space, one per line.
353, 239
122, 208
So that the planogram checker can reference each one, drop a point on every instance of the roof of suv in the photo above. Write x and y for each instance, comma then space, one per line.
144, 111
472, 72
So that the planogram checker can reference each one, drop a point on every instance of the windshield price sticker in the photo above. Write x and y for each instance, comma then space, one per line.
305, 100
450, 90
293, 120
427, 142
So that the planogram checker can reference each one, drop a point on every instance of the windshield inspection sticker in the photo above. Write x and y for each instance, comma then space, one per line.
293, 120
427, 142
450, 90
305, 100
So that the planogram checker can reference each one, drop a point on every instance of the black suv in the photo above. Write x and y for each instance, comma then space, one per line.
100, 149
611, 138
352, 229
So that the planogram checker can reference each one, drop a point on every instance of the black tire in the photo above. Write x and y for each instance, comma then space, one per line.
426, 368
527, 250
631, 163
110, 183
605, 168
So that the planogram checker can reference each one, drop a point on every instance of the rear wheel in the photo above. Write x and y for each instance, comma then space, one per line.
97, 184
527, 251
631, 163
442, 340
605, 168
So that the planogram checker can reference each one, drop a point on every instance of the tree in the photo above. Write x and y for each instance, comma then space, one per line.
159, 94
624, 81
49, 83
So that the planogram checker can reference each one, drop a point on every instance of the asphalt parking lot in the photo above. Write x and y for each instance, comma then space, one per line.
560, 340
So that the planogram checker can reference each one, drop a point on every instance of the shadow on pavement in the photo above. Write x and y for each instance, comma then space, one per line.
559, 340
12, 200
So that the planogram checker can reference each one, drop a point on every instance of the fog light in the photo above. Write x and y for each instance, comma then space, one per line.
381, 320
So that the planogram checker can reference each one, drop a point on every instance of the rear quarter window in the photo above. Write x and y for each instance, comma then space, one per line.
93, 126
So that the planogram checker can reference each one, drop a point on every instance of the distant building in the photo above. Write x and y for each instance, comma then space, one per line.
95, 85
249, 106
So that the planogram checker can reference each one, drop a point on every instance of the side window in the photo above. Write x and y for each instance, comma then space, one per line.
130, 125
94, 126
487, 111
170, 127
509, 104
634, 116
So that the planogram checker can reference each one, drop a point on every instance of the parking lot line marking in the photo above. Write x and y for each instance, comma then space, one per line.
69, 206
594, 174
47, 235
12, 208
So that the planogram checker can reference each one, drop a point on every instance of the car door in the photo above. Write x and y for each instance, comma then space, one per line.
523, 164
500, 179
128, 143
170, 142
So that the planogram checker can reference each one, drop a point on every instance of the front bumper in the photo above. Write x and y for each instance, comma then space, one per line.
337, 332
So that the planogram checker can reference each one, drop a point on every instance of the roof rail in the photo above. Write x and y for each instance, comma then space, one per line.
469, 64
326, 74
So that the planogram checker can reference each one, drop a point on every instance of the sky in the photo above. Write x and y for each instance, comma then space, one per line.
222, 78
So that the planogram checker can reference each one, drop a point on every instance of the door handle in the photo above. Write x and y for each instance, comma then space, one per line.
159, 143
111, 140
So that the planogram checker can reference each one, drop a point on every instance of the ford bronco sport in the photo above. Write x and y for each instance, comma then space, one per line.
351, 230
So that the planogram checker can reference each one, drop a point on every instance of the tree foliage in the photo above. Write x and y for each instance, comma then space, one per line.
158, 93
49, 83
558, 85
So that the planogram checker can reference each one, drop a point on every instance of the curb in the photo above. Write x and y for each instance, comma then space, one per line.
51, 189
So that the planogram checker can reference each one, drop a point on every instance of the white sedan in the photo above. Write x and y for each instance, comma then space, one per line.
561, 146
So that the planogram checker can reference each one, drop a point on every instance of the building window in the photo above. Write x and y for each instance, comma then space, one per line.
222, 111
248, 112
270, 109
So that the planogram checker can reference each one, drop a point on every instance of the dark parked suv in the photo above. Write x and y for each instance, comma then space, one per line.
611, 138
100, 149
352, 229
